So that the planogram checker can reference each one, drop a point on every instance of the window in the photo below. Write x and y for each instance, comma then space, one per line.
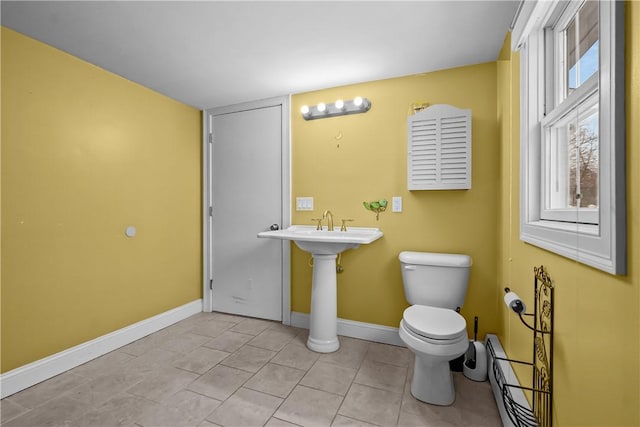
572, 136
570, 126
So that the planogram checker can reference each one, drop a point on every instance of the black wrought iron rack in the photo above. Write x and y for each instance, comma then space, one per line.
542, 364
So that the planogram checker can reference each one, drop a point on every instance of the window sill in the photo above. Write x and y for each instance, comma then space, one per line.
571, 227
583, 243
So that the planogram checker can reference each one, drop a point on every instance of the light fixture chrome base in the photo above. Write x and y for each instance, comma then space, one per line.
338, 108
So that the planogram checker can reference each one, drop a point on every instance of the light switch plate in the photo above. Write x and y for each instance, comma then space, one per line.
304, 203
396, 204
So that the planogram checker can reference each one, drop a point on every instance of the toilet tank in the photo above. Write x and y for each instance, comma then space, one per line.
435, 279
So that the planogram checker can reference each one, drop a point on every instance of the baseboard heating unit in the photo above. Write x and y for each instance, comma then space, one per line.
501, 373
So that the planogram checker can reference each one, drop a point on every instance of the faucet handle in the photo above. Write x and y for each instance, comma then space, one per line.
319, 224
343, 227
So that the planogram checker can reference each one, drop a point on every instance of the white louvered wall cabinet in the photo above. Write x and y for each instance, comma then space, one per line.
439, 144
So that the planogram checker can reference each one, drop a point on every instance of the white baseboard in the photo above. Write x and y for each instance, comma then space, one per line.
354, 329
25, 376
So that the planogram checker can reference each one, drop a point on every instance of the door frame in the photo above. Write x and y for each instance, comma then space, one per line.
208, 197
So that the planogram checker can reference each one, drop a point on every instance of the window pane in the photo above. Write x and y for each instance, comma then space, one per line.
559, 171
581, 38
572, 165
587, 164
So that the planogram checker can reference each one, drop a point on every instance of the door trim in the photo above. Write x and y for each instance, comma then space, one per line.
207, 177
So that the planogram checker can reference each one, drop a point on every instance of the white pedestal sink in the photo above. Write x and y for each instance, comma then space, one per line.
324, 246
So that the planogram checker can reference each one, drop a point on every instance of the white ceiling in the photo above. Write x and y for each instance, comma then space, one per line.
216, 53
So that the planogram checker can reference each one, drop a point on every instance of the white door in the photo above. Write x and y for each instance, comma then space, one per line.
247, 197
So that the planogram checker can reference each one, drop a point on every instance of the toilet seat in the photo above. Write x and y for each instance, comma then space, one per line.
437, 325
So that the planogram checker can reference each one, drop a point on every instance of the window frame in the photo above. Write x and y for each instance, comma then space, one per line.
601, 245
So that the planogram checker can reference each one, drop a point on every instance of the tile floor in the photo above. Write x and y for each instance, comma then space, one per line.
214, 369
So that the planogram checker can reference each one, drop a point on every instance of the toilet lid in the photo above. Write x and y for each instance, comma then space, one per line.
434, 322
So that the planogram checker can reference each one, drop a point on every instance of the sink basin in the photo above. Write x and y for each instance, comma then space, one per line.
324, 242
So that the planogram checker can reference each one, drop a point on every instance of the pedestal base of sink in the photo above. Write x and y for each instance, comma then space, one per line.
323, 346
323, 319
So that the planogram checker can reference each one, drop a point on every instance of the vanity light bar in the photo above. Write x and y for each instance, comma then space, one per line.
339, 108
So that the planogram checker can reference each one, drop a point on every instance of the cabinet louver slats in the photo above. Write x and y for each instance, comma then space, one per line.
439, 149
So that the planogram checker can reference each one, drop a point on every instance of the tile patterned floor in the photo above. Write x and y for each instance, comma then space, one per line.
214, 369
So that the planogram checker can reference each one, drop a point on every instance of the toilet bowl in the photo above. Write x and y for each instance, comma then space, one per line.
432, 328
435, 336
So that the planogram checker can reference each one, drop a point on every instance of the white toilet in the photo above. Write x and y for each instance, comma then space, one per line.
435, 285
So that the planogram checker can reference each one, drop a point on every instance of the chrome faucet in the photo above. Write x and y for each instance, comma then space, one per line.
329, 216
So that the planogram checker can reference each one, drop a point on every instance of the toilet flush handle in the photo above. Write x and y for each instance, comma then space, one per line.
409, 267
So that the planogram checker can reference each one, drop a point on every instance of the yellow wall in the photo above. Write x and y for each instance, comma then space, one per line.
597, 315
369, 163
85, 154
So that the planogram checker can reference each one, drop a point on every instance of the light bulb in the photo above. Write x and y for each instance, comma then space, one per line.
357, 101
339, 104
304, 110
321, 107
